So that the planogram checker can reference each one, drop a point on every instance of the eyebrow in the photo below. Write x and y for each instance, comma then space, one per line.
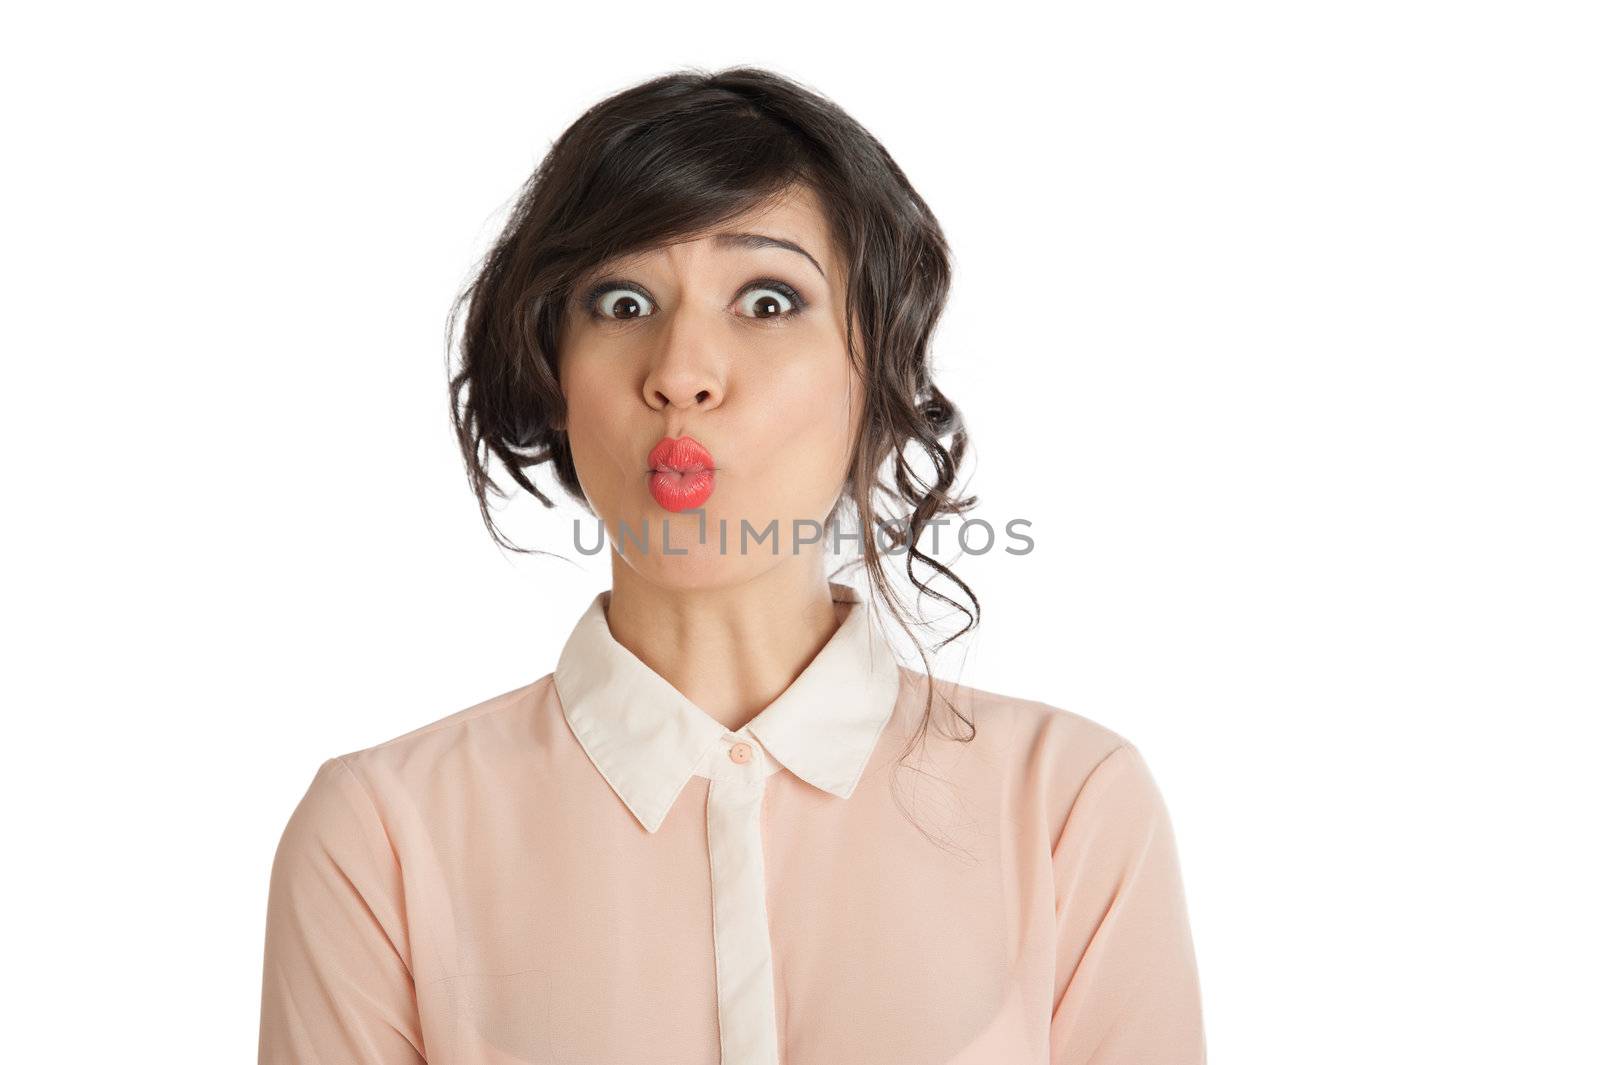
761, 240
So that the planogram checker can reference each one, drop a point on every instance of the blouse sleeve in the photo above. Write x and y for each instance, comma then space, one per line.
1127, 988
336, 979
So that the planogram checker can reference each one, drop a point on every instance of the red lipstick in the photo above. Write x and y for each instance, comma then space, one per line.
681, 473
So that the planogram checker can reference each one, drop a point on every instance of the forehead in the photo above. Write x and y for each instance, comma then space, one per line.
795, 217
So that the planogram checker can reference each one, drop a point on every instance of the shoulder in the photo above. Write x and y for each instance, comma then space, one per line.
1053, 751
1029, 727
480, 723
443, 754
492, 714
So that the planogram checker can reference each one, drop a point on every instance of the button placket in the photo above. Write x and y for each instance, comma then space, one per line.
737, 760
743, 942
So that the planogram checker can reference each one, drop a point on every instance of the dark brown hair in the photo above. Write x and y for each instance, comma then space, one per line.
664, 160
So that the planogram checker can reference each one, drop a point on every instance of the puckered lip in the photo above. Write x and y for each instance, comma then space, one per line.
683, 454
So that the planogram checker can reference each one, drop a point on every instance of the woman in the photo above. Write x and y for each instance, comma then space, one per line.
693, 840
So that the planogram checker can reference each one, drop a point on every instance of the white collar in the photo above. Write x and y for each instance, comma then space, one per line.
647, 739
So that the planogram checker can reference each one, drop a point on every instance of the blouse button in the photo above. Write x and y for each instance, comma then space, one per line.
740, 752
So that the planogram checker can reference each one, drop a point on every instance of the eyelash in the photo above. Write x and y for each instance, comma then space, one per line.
591, 300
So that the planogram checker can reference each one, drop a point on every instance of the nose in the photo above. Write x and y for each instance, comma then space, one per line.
687, 375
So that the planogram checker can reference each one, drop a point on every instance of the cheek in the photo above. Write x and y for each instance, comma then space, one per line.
594, 395
593, 421
583, 381
807, 416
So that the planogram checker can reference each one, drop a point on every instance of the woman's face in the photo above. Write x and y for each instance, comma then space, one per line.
737, 340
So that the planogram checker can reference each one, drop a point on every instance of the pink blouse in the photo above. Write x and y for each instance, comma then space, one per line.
591, 870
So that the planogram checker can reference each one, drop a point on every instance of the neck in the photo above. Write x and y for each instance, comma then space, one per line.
731, 649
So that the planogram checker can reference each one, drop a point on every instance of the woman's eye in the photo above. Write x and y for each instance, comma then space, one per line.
769, 300
622, 304
763, 299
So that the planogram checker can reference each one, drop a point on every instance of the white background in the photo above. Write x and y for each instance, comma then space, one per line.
1278, 321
